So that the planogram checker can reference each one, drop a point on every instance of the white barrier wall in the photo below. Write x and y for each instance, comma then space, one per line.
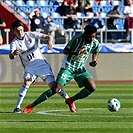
111, 66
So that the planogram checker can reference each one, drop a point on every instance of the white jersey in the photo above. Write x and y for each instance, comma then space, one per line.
30, 53
129, 10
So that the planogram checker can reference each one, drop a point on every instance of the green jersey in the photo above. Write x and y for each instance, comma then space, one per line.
76, 62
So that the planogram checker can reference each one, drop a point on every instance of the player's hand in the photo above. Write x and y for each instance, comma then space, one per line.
16, 52
82, 51
93, 63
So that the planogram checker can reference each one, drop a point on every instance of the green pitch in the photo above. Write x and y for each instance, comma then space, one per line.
53, 115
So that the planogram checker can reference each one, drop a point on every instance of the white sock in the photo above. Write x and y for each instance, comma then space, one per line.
63, 93
21, 95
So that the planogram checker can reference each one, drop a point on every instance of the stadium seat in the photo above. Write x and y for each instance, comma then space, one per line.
103, 15
105, 6
80, 14
57, 19
23, 15
95, 6
91, 14
45, 14
20, 4
119, 22
31, 5
43, 5
102, 18
9, 4
55, 14
117, 2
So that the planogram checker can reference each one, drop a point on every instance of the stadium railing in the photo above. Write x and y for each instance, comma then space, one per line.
102, 39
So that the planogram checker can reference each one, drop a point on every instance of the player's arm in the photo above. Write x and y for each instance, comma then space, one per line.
94, 59
49, 38
13, 54
71, 52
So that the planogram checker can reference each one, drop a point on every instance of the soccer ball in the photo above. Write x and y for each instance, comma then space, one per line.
113, 105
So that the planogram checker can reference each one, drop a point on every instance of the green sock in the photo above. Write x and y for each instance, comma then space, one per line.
44, 96
82, 94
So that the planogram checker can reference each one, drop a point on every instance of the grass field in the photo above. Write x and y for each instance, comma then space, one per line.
53, 115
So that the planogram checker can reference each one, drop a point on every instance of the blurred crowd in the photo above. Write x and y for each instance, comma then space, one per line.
74, 10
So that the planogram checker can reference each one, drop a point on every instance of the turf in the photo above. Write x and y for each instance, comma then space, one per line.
53, 115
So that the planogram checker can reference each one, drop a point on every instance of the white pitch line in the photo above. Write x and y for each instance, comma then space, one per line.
49, 112
57, 113
116, 116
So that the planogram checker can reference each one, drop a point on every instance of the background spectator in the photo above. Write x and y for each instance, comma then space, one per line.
87, 6
74, 2
50, 28
84, 6
2, 24
113, 14
80, 7
70, 21
37, 21
128, 12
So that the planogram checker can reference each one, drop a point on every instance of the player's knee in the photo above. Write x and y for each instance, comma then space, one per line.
58, 87
28, 82
92, 87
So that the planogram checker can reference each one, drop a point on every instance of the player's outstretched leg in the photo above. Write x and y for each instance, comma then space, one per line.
44, 96
71, 104
27, 109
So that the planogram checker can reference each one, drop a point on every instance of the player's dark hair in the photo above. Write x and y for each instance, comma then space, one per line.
16, 23
89, 29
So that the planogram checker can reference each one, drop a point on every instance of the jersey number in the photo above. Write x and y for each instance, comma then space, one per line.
30, 56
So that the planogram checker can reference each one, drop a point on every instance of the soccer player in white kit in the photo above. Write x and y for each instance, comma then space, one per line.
25, 44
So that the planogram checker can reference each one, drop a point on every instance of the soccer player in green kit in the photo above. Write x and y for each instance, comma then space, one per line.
73, 66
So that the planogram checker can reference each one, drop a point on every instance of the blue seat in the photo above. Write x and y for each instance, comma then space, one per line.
91, 15
80, 14
103, 15
56, 17
23, 15
105, 6
31, 5
43, 5
95, 6
45, 15
102, 18
119, 22
20, 4
9, 4
117, 2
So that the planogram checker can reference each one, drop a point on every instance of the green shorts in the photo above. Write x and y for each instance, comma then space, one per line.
64, 76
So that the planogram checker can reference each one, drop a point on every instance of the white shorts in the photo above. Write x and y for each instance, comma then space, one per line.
44, 71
